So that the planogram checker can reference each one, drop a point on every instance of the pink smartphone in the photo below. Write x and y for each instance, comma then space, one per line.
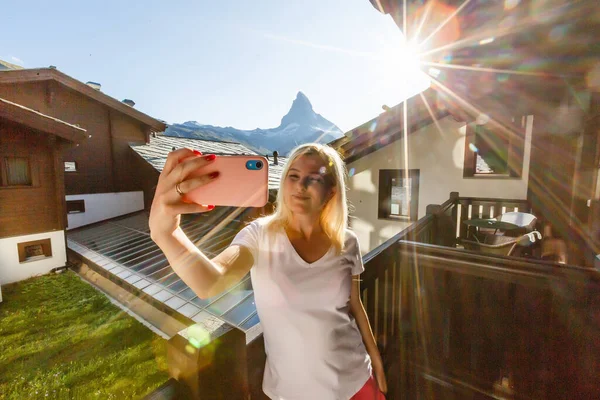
243, 182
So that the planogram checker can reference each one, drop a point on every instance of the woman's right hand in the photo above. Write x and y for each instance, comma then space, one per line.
168, 204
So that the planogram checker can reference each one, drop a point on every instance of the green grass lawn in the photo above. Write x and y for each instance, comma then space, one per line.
61, 338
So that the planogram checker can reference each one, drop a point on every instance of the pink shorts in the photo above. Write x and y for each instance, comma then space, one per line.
370, 391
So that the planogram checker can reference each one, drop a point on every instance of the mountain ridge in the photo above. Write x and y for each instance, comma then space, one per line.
300, 125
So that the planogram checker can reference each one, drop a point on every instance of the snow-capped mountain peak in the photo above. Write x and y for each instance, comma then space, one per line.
300, 125
301, 112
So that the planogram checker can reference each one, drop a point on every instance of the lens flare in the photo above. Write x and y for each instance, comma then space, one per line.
510, 4
558, 33
373, 126
198, 336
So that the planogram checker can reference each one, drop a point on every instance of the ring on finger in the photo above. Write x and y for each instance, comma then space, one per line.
178, 189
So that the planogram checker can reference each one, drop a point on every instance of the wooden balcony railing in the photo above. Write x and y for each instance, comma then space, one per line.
458, 324
446, 221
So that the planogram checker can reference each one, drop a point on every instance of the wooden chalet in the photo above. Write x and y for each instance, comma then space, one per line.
501, 61
32, 194
100, 181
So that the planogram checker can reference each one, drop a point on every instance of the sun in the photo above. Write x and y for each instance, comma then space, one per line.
401, 69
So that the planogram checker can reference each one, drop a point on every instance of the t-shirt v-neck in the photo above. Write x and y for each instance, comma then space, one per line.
297, 255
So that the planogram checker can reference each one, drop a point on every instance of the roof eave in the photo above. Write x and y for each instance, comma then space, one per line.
32, 119
43, 74
383, 6
364, 139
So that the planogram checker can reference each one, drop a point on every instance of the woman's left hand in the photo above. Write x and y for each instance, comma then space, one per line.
380, 378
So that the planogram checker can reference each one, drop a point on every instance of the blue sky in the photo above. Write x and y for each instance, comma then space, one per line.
228, 63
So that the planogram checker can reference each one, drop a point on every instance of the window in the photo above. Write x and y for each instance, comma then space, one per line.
493, 151
70, 166
16, 171
398, 196
75, 206
34, 250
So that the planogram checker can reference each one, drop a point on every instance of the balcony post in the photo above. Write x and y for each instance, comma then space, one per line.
209, 360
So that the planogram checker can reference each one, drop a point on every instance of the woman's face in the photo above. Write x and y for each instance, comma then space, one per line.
305, 189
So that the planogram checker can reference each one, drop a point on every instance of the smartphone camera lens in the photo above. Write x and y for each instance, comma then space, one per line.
259, 164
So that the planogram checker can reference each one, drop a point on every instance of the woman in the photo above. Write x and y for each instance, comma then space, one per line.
304, 265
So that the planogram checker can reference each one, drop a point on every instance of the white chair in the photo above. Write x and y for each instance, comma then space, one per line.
503, 245
521, 219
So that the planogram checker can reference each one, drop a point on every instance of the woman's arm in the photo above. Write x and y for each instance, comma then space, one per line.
204, 276
358, 311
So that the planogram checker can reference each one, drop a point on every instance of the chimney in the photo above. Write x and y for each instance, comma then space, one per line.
275, 155
129, 102
94, 85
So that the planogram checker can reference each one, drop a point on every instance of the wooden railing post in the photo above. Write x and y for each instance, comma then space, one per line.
443, 231
209, 361
456, 200
433, 210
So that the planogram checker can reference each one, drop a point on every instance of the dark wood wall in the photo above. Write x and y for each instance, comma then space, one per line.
39, 208
125, 130
103, 160
145, 176
587, 179
561, 178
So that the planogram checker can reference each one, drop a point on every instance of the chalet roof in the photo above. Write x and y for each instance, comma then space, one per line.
425, 109
388, 127
46, 74
276, 172
35, 120
6, 65
155, 152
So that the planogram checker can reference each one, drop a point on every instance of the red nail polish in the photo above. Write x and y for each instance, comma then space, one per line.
196, 152
210, 157
213, 175
210, 207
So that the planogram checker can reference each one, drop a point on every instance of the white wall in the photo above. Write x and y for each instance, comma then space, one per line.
10, 268
439, 155
102, 206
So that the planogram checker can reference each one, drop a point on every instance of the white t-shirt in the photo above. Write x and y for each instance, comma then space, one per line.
313, 345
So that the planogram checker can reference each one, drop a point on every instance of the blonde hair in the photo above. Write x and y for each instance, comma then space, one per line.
334, 215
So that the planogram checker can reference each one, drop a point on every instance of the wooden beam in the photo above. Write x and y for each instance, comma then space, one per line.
41, 122
25, 75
